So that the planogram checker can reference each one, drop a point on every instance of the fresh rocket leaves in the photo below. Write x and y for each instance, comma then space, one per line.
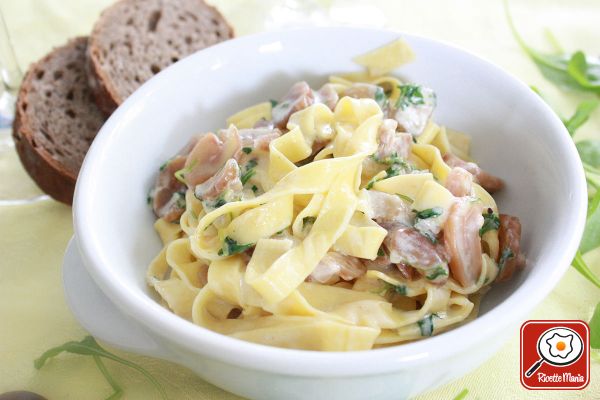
504, 257
436, 273
574, 71
591, 233
396, 166
380, 97
231, 247
89, 347
589, 151
581, 266
581, 115
595, 328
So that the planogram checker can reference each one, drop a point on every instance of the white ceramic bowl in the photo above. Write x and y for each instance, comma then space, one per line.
515, 135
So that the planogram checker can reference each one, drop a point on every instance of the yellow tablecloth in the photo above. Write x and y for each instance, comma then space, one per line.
33, 314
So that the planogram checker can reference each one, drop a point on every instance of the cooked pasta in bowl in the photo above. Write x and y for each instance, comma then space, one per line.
336, 219
397, 205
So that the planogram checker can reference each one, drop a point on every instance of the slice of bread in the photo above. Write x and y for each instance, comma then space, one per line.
135, 39
56, 119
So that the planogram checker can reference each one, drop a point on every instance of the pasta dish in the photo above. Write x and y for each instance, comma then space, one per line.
336, 219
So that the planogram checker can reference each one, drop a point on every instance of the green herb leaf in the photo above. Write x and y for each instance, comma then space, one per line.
591, 233
429, 213
595, 328
247, 150
426, 325
254, 188
462, 395
575, 71
437, 272
231, 247
405, 197
250, 171
506, 254
117, 390
380, 252
581, 266
307, 222
89, 347
164, 165
581, 115
399, 289
585, 71
491, 222
273, 103
410, 95
180, 174
589, 151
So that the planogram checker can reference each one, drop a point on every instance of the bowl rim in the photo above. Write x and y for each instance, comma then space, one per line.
313, 363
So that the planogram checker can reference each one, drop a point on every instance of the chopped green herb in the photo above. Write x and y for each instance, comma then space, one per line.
219, 202
400, 289
396, 166
462, 395
380, 252
89, 347
247, 150
426, 325
164, 165
410, 95
405, 197
380, 97
506, 254
429, 213
307, 222
250, 171
429, 235
279, 232
254, 189
179, 200
273, 102
491, 222
180, 174
231, 247
437, 272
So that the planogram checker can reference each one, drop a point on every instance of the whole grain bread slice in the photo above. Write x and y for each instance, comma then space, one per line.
135, 39
56, 119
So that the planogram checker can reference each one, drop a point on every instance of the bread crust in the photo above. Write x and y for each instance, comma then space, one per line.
104, 92
48, 173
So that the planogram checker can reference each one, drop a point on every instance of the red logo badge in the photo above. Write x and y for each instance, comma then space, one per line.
555, 354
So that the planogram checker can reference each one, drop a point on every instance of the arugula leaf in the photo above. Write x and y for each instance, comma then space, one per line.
506, 254
231, 247
585, 71
572, 71
426, 325
405, 197
595, 328
581, 266
380, 252
462, 395
410, 95
491, 222
89, 347
273, 103
437, 272
581, 115
429, 213
591, 233
247, 150
164, 165
254, 189
250, 171
589, 151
